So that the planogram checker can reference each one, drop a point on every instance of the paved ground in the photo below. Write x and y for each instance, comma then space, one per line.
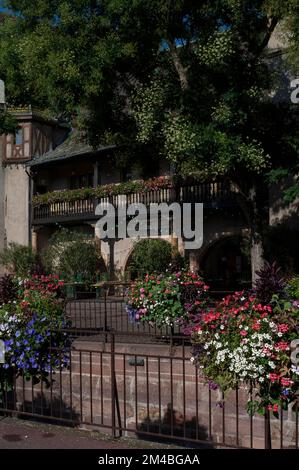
17, 434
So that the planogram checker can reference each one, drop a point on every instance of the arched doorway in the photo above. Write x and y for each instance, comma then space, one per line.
226, 265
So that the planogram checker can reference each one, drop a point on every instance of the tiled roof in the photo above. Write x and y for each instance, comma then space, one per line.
73, 146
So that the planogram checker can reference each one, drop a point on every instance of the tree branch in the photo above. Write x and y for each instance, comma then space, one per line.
271, 28
181, 70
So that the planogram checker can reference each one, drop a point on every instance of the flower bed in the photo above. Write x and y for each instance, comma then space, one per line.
241, 339
103, 191
30, 327
165, 299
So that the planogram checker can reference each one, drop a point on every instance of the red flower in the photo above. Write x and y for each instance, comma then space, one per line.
285, 382
282, 346
283, 328
273, 377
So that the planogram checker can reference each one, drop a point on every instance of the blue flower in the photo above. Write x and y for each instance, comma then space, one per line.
18, 333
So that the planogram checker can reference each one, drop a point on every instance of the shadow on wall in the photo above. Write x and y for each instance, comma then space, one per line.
43, 409
173, 424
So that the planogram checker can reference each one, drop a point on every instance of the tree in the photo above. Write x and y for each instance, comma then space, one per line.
8, 124
183, 79
209, 104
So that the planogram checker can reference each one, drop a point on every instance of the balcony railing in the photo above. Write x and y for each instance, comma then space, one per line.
216, 194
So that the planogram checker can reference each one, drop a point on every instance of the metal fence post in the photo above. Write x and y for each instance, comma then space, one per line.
105, 314
112, 351
268, 444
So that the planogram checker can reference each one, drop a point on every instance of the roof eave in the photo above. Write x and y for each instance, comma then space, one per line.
50, 161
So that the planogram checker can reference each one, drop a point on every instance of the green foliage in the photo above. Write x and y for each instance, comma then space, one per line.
186, 80
72, 255
293, 287
217, 49
150, 256
8, 124
19, 259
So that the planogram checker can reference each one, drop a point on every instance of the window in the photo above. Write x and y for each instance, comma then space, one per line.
19, 137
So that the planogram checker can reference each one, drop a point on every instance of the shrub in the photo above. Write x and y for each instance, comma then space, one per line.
21, 260
293, 287
270, 282
154, 256
165, 300
72, 254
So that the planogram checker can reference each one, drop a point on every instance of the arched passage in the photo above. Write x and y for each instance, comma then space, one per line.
225, 264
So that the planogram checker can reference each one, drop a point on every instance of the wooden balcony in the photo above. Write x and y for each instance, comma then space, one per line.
213, 195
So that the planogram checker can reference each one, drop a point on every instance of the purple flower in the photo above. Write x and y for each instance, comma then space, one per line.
220, 404
212, 385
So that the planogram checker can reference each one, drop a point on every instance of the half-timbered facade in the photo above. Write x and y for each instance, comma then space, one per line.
34, 136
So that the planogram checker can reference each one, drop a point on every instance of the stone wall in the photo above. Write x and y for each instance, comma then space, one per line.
2, 225
161, 394
16, 204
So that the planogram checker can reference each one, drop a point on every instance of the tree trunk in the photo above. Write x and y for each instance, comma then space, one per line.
256, 236
251, 208
257, 253
181, 70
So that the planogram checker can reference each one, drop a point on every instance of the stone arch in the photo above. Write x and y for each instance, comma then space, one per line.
136, 242
216, 237
224, 264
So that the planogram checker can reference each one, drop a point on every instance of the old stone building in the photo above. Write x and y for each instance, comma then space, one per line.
34, 136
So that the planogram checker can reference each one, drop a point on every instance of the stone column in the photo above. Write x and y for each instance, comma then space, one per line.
34, 239
193, 261
174, 241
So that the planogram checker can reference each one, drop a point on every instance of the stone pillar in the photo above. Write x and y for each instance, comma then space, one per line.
174, 241
193, 261
181, 246
34, 239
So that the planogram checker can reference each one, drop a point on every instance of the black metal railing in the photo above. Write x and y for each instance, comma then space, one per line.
144, 391
109, 314
214, 193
